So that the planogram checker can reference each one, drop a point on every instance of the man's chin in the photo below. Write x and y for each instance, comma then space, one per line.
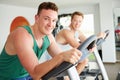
48, 33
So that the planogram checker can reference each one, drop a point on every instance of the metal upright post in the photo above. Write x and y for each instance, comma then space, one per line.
73, 74
100, 64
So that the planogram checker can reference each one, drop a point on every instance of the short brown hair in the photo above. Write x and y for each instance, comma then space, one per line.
47, 5
77, 13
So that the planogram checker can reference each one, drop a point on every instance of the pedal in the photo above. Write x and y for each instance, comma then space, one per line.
93, 72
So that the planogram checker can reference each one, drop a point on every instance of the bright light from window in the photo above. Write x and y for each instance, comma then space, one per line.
88, 25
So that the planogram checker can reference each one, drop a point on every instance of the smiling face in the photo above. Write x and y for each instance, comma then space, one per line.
76, 22
46, 21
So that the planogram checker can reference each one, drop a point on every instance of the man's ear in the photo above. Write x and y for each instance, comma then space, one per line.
36, 17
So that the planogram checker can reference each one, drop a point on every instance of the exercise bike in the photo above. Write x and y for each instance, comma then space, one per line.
69, 69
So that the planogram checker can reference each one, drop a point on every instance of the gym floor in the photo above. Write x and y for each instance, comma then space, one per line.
113, 68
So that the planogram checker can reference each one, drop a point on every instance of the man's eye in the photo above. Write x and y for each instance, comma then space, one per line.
46, 18
55, 21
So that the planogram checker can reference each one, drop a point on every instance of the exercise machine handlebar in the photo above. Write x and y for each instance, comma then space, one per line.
86, 45
84, 48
